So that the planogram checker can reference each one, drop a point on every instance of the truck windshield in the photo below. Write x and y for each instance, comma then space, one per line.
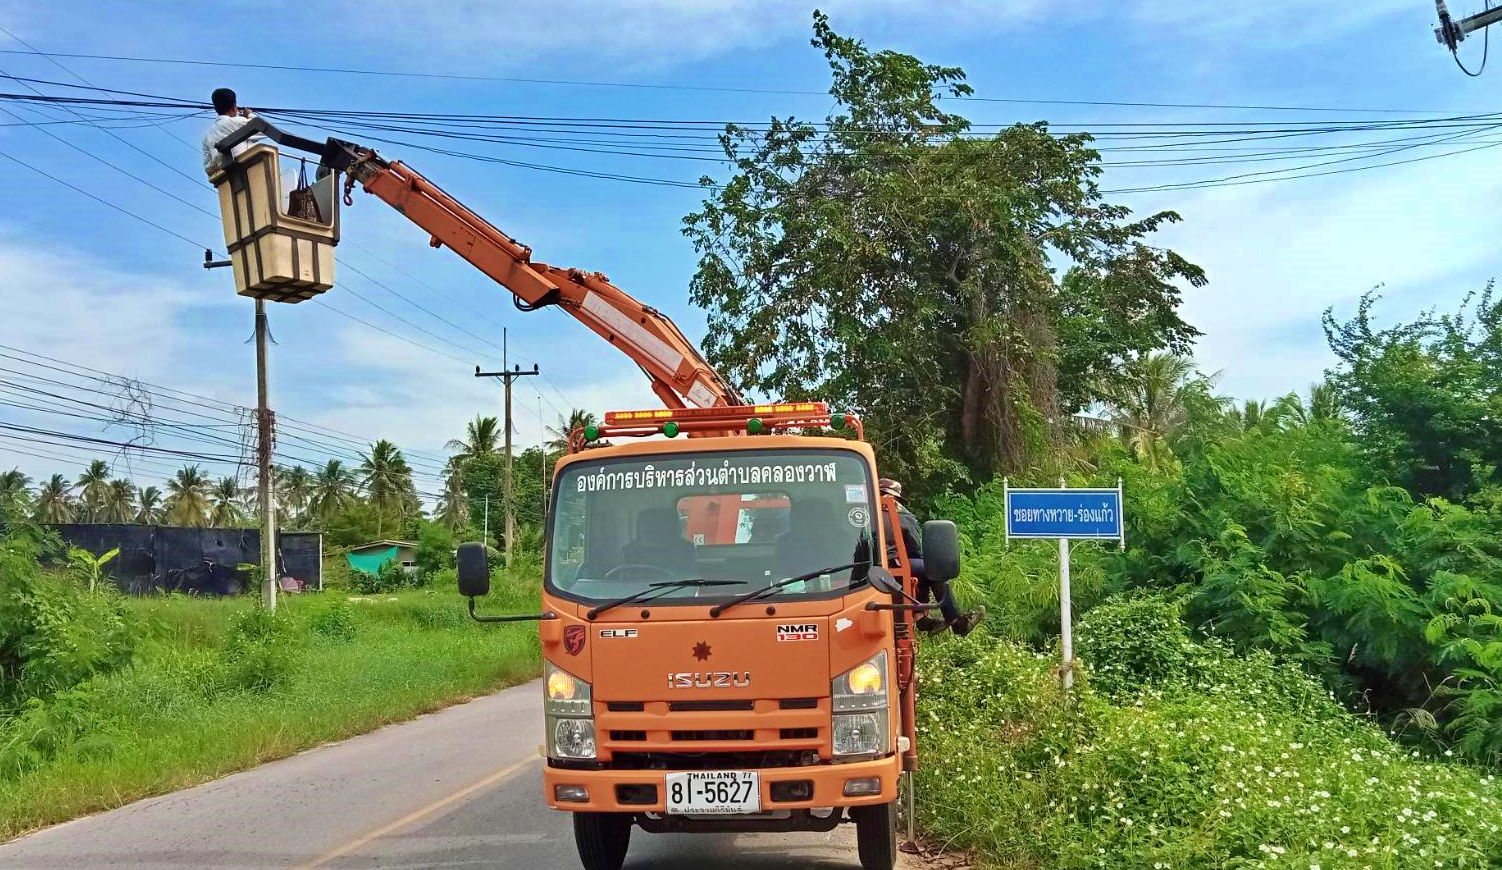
751, 517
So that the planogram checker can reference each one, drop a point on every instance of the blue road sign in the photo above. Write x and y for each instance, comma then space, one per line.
1064, 513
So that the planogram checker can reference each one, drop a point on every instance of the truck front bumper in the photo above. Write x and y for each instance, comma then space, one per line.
644, 791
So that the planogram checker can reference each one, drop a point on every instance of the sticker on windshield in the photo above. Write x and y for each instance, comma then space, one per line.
859, 517
798, 631
855, 493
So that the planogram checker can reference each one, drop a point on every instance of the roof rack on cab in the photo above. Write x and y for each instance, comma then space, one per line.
734, 420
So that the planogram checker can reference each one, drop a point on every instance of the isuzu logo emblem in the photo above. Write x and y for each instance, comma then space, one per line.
710, 680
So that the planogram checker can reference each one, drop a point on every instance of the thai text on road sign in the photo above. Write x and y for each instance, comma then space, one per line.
1064, 513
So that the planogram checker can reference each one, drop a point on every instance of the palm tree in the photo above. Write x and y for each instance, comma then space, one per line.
480, 437
1324, 403
294, 486
387, 480
578, 418
225, 498
119, 502
188, 504
149, 510
15, 492
453, 507
1149, 406
55, 501
333, 490
93, 488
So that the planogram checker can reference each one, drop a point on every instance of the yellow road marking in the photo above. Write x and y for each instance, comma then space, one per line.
415, 815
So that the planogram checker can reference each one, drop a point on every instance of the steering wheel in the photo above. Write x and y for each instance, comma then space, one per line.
659, 570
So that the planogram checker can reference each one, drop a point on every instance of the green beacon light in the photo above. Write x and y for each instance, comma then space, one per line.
670, 429
591, 432
754, 426
837, 422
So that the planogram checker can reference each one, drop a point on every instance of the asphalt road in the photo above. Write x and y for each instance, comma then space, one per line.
455, 789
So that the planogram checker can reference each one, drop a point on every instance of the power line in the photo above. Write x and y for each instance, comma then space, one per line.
675, 87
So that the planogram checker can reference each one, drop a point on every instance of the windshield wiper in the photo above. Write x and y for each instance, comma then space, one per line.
773, 587
659, 589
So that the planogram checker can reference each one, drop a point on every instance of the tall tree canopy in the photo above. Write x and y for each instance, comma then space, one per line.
1426, 396
890, 262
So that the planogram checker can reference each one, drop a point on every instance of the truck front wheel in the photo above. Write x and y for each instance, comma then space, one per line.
876, 835
602, 839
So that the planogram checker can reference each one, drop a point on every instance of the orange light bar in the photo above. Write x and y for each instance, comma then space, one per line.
728, 412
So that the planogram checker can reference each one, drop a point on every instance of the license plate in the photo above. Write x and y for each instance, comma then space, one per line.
714, 793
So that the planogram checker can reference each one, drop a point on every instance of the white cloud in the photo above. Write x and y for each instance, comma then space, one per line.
66, 304
391, 389
1278, 254
651, 32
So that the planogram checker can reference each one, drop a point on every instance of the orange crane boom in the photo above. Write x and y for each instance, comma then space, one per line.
679, 375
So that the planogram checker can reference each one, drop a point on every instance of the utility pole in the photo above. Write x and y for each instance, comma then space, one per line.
542, 452
264, 431
508, 376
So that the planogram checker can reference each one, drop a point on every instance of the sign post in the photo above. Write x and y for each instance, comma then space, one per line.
1063, 513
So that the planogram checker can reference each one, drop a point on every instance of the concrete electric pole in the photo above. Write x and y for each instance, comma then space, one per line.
508, 498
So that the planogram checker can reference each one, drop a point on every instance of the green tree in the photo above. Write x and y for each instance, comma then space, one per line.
577, 419
93, 488
480, 438
119, 502
188, 497
1152, 401
333, 491
894, 264
55, 501
453, 507
224, 500
294, 489
1426, 397
482, 481
149, 506
15, 493
387, 481
435, 548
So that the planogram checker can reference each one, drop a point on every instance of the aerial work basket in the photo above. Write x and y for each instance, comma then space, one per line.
280, 253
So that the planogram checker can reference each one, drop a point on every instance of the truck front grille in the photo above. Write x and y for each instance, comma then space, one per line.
724, 734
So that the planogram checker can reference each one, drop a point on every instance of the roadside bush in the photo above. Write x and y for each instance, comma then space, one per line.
54, 634
435, 549
1229, 760
68, 722
334, 621
1132, 642
258, 650
391, 578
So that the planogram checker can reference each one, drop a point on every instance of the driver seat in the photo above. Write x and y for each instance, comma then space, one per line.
660, 543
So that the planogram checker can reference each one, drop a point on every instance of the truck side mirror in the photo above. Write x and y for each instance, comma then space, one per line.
941, 550
882, 580
474, 569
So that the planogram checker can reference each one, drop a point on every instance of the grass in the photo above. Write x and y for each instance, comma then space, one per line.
1181, 755
216, 687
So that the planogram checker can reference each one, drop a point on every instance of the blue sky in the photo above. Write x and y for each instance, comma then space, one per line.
91, 286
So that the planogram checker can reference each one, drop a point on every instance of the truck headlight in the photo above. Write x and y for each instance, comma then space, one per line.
860, 702
571, 738
568, 704
564, 693
859, 733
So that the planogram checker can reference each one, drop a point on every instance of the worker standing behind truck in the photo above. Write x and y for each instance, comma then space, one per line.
912, 553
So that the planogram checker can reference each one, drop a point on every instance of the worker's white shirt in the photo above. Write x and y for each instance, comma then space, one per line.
222, 127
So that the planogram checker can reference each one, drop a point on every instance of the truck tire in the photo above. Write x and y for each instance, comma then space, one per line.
602, 839
876, 835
